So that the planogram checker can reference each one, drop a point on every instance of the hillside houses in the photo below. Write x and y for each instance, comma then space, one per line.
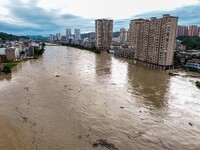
12, 51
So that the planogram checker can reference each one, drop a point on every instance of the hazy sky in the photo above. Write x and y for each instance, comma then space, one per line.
44, 17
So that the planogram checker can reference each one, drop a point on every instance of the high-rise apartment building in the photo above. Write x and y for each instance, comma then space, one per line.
199, 31
104, 33
123, 35
68, 35
77, 34
153, 40
182, 31
58, 37
193, 30
51, 38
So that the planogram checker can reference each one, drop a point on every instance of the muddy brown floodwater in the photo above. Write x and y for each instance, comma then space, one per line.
72, 99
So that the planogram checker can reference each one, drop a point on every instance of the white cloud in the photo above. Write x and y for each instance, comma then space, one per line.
3, 10
114, 9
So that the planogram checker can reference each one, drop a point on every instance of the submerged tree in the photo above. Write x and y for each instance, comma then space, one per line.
6, 70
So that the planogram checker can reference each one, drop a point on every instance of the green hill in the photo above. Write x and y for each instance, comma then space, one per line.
190, 42
10, 37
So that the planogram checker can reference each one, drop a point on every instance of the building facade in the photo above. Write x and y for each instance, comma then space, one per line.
68, 35
193, 30
123, 35
58, 37
104, 33
182, 31
153, 40
12, 53
51, 38
77, 34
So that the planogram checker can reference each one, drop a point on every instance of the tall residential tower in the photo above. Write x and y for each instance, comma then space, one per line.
123, 35
77, 34
68, 35
104, 33
193, 30
153, 40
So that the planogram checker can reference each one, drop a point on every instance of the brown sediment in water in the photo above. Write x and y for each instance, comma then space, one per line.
9, 139
96, 102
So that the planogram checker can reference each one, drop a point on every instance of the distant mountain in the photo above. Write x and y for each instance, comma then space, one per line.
87, 35
116, 34
37, 37
10, 37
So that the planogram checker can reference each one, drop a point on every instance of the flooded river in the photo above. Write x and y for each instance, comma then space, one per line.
72, 99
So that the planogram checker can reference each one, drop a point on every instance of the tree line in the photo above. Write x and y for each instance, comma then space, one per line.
190, 42
10, 37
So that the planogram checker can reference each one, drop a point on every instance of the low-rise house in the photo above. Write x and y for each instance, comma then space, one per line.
182, 47
12, 53
193, 52
116, 45
116, 39
27, 50
2, 55
36, 46
30, 51
194, 63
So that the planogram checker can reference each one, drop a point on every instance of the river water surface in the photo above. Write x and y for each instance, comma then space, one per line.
69, 99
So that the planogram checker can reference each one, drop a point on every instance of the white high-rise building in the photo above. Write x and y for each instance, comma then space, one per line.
58, 37
77, 34
123, 35
51, 38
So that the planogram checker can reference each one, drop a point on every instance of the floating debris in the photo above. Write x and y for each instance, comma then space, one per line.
190, 124
26, 88
104, 143
24, 119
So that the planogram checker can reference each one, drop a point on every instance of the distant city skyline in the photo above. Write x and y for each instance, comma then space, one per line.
43, 17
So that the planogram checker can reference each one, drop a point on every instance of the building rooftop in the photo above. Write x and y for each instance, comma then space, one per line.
194, 61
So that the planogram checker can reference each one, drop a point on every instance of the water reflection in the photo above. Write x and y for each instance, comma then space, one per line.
149, 84
103, 67
146, 85
119, 72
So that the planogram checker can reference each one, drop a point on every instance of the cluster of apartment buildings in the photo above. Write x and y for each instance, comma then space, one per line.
192, 30
11, 51
152, 40
74, 38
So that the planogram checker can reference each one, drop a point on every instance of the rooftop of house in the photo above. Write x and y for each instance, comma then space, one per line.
194, 61
34, 44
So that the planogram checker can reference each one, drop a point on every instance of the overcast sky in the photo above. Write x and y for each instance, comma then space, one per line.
44, 17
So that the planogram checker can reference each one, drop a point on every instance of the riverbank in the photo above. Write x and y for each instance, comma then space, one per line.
93, 49
8, 65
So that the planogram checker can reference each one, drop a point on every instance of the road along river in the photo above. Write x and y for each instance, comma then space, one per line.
71, 99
